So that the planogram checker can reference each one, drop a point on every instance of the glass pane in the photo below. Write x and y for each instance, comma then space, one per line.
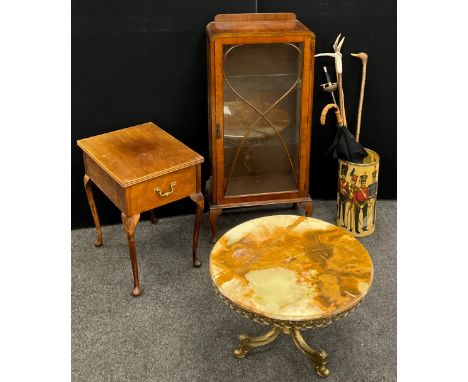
261, 117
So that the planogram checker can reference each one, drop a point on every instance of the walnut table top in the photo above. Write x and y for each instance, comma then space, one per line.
138, 153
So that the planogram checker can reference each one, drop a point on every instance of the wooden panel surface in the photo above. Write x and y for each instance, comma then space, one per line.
105, 183
142, 196
254, 17
138, 153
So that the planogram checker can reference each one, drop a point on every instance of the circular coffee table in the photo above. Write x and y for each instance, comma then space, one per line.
291, 273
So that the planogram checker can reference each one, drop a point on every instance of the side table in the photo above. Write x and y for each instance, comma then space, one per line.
291, 273
140, 168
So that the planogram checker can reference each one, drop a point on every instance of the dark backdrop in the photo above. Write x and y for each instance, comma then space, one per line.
139, 61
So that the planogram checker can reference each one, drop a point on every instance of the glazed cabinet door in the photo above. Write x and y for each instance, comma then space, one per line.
261, 106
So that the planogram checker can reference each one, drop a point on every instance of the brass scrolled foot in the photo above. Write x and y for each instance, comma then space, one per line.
244, 347
318, 357
322, 371
247, 343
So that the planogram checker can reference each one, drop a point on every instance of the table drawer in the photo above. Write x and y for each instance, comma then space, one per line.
162, 190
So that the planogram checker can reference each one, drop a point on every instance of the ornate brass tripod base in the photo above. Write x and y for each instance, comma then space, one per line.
248, 343
318, 357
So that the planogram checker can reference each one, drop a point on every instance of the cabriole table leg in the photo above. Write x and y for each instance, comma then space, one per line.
129, 224
92, 205
248, 343
200, 202
153, 218
318, 357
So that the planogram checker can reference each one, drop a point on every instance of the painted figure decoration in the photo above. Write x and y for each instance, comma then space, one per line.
357, 195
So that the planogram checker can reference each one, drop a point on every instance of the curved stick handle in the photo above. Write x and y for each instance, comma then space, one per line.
323, 115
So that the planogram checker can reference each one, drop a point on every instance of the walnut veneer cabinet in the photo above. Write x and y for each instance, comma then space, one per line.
140, 168
260, 79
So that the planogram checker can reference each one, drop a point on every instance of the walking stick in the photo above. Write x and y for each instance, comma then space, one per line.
363, 57
339, 76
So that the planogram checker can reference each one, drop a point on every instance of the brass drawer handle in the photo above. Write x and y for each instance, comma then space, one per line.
158, 190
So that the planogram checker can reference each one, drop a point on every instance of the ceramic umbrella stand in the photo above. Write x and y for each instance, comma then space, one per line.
357, 194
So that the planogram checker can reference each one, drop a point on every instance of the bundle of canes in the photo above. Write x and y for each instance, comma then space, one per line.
363, 57
345, 146
339, 73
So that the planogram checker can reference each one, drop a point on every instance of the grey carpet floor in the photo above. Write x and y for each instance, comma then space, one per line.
179, 330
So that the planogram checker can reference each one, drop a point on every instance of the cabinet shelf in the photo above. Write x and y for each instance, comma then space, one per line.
260, 184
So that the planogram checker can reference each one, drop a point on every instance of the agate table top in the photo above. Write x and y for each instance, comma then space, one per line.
288, 267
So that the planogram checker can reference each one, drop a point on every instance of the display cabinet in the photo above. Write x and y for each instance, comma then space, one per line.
260, 78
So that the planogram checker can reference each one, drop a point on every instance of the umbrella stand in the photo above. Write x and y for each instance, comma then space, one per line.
357, 195
358, 167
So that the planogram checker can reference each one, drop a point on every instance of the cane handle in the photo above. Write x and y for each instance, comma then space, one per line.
323, 115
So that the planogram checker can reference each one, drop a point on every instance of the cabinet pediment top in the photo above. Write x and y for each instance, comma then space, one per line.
255, 17
256, 23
